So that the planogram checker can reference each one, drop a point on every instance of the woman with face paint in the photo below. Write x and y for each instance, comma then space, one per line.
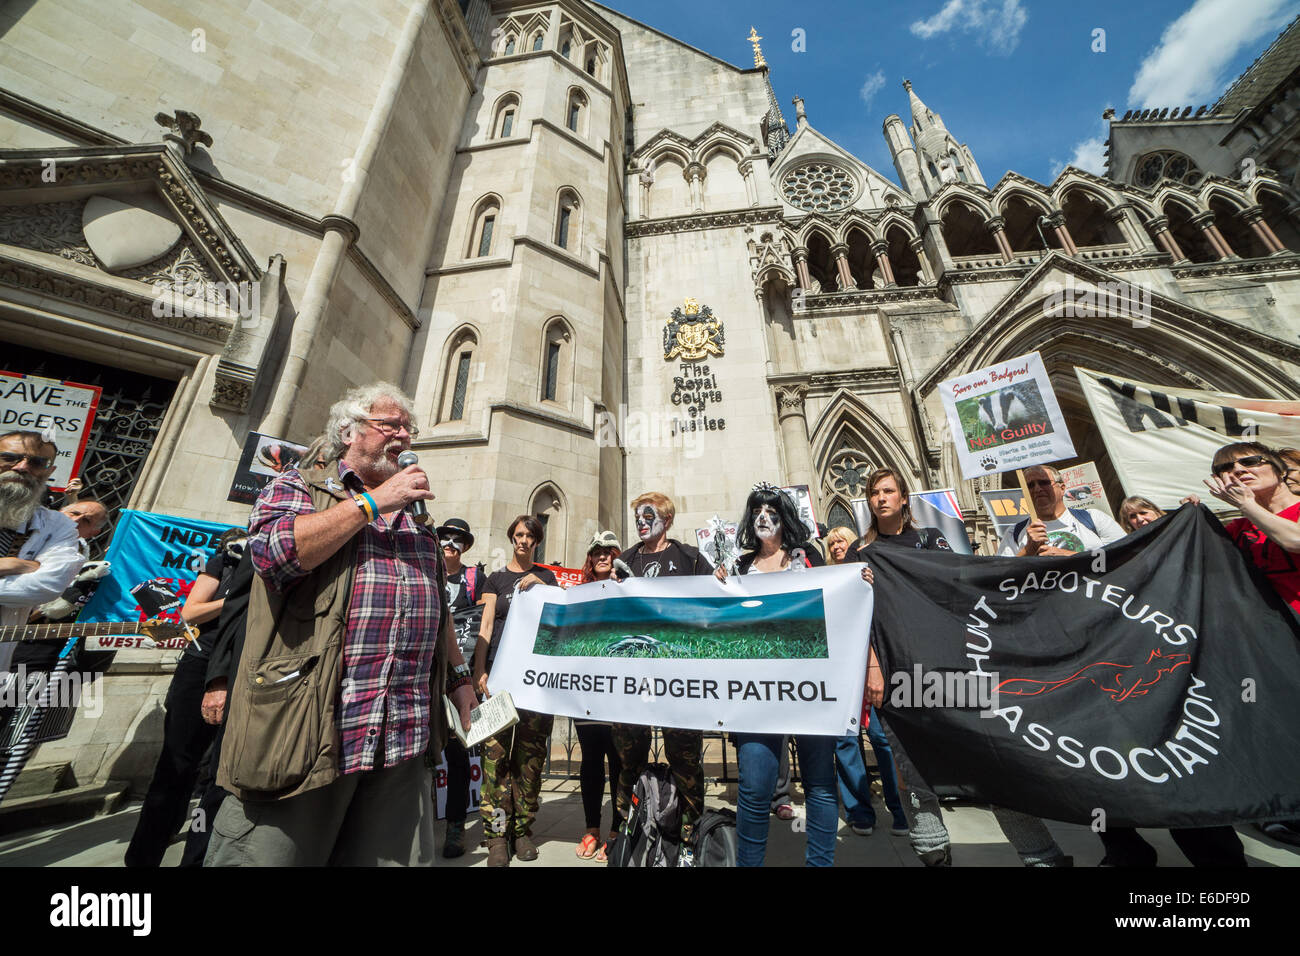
512, 761
774, 539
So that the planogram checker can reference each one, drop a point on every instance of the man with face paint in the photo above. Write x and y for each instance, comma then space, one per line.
657, 555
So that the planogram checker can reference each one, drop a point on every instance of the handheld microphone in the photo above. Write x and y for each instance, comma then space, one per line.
417, 509
621, 570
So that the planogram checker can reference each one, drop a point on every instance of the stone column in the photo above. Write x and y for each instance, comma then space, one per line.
996, 225
917, 245
1056, 219
841, 254
1254, 217
801, 268
880, 249
794, 435
1137, 241
746, 168
695, 174
1205, 221
1159, 226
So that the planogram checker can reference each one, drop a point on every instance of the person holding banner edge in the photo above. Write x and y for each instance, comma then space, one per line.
512, 763
774, 538
657, 555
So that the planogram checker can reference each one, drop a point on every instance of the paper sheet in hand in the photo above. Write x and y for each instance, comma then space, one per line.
486, 720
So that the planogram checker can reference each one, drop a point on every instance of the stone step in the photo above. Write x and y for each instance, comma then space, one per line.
45, 779
65, 806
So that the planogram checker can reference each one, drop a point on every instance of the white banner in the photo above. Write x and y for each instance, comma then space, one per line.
763, 653
1005, 417
28, 403
440, 784
1161, 440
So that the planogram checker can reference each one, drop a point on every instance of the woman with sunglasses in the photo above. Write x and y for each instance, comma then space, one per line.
1250, 476
595, 737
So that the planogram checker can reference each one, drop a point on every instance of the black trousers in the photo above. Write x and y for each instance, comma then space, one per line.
1203, 846
196, 844
597, 744
457, 779
186, 738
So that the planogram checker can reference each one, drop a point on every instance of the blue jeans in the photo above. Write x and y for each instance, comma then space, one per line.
855, 779
758, 756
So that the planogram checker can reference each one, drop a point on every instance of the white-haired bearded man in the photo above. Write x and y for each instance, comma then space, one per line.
338, 693
39, 556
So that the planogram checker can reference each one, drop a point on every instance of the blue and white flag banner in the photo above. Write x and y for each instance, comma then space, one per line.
762, 653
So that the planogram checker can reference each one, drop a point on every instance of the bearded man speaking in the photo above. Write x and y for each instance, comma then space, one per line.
38, 547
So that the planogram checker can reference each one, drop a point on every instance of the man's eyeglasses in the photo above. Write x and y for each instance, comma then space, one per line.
390, 426
1250, 461
37, 462
1042, 483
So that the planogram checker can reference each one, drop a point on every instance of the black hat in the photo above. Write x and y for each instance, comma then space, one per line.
460, 526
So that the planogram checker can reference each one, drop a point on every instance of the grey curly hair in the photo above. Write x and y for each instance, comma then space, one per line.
352, 408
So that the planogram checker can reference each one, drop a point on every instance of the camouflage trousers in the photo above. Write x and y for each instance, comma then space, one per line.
512, 775
684, 754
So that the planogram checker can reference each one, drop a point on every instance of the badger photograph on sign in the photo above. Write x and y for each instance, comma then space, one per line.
771, 653
1006, 417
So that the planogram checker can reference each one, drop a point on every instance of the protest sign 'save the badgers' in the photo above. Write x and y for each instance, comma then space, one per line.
1154, 682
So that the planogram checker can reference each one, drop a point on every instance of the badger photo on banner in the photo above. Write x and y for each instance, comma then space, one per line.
1005, 417
1155, 681
766, 653
1161, 440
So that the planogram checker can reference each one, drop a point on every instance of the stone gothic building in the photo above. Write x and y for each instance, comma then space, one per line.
599, 259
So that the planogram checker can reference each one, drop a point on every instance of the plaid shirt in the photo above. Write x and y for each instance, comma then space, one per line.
392, 626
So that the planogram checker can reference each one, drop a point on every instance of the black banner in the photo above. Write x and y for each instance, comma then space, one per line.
1157, 681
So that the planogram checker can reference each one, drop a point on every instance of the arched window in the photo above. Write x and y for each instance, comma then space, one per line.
557, 363
537, 41
568, 220
821, 263
964, 232
566, 48
575, 114
547, 505
902, 257
457, 376
505, 116
510, 45
1087, 222
593, 60
958, 165
840, 517
1020, 224
483, 228
1191, 239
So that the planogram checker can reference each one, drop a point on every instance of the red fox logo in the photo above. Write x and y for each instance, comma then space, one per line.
1120, 681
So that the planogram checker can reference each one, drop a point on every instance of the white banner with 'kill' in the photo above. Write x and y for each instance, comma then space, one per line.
763, 653
1161, 440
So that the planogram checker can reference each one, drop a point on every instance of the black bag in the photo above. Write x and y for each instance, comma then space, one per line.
651, 835
715, 839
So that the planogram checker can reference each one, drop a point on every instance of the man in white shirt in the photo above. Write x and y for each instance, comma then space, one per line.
1056, 530
39, 556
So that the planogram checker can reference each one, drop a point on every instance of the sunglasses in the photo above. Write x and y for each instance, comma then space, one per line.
1250, 461
37, 462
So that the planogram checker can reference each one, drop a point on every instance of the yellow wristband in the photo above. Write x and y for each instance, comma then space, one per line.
361, 502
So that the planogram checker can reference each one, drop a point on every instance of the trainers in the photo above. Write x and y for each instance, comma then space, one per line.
861, 829
524, 848
498, 851
939, 857
454, 845
900, 829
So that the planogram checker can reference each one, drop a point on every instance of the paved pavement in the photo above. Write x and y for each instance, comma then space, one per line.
977, 840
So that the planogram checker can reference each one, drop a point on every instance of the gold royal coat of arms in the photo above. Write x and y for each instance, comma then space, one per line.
692, 333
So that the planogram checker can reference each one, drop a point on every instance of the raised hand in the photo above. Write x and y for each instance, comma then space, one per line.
409, 484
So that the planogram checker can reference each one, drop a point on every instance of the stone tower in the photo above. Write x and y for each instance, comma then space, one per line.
938, 158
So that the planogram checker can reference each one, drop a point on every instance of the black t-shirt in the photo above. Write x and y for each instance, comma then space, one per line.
502, 584
459, 596
923, 539
672, 560
221, 568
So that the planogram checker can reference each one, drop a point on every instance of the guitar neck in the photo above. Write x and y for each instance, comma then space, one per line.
41, 632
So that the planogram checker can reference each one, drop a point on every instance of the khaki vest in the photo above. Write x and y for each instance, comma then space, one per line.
282, 734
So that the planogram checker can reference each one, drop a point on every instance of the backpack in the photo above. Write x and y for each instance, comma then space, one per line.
651, 835
1082, 514
715, 839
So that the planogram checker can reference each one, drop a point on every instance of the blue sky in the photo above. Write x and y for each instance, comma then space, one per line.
1017, 80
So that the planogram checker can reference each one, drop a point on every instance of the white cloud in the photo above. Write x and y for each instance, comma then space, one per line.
873, 85
1187, 66
1089, 154
997, 26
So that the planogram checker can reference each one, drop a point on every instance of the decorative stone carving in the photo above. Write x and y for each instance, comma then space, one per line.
124, 233
819, 187
789, 400
182, 272
53, 227
183, 131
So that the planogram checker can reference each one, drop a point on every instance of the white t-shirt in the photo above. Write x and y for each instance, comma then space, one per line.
1066, 532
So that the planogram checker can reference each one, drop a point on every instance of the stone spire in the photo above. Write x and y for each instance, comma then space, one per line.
942, 158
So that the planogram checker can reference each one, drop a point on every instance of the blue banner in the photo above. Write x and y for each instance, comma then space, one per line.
146, 546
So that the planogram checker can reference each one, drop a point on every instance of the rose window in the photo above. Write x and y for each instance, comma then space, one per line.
819, 187
1154, 167
849, 473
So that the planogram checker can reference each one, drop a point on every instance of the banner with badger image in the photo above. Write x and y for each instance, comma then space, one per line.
1005, 417
763, 653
